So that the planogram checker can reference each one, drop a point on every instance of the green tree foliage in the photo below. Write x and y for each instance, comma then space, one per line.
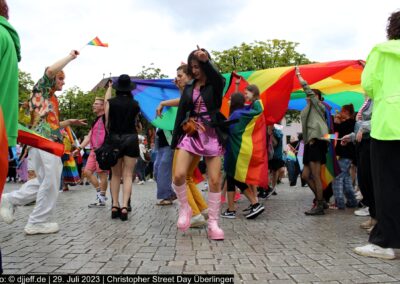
259, 55
25, 85
150, 73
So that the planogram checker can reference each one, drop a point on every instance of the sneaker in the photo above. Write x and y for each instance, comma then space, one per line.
205, 213
97, 204
150, 180
87, 183
7, 210
362, 212
372, 250
371, 222
205, 188
248, 208
141, 182
255, 210
197, 221
41, 228
229, 214
263, 194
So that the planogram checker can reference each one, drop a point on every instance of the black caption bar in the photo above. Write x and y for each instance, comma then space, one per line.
121, 278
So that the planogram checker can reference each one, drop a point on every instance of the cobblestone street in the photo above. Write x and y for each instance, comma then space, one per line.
281, 246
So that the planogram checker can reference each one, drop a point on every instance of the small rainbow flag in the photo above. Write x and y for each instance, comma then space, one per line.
332, 136
97, 42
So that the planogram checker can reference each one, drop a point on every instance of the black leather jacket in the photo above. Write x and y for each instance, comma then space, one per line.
211, 93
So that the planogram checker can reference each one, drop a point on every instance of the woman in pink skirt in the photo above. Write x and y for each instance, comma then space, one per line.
200, 102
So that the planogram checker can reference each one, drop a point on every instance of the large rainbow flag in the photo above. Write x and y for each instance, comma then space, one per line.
29, 137
246, 152
279, 88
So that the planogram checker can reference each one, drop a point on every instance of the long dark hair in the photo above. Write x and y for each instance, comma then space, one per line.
237, 102
393, 27
318, 93
191, 57
3, 9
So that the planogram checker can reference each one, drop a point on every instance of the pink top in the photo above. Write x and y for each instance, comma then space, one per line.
98, 134
203, 142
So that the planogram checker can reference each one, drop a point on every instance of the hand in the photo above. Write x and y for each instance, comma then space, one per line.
109, 83
75, 152
359, 136
77, 122
297, 69
345, 139
159, 110
74, 54
201, 55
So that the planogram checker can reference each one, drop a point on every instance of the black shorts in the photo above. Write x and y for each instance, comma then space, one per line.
232, 183
128, 144
275, 164
315, 151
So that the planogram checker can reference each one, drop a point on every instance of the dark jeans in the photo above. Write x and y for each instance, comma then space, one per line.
385, 157
293, 171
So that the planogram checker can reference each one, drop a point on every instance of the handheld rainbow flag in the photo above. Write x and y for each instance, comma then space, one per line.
97, 42
332, 136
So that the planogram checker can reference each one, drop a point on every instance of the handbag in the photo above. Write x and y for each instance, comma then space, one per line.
107, 156
189, 125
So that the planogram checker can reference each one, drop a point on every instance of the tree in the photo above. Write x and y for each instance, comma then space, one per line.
259, 55
150, 73
25, 85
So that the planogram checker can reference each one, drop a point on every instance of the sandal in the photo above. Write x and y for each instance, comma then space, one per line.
115, 213
164, 202
124, 215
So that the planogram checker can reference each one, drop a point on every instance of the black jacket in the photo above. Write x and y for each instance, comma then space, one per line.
211, 93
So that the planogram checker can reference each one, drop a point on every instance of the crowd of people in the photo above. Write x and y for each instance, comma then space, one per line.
369, 140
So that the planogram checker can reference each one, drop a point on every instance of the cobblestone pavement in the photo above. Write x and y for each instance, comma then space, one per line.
281, 246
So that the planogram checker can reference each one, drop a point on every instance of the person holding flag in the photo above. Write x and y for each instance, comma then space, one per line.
48, 167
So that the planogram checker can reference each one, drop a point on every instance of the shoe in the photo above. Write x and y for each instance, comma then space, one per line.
7, 210
263, 193
129, 205
248, 208
214, 232
87, 183
255, 210
115, 213
123, 215
205, 213
100, 203
362, 212
229, 214
369, 230
197, 221
274, 192
368, 224
41, 228
150, 180
372, 250
205, 188
164, 202
140, 182
185, 211
318, 209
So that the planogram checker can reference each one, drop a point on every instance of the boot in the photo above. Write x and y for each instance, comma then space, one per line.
185, 212
316, 210
214, 204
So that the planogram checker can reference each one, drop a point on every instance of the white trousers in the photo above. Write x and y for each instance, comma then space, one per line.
44, 188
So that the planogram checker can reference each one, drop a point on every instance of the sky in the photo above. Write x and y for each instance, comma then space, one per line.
165, 32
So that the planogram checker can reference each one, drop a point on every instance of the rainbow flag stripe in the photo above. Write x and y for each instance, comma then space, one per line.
97, 42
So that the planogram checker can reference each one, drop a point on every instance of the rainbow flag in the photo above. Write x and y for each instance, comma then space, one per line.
291, 156
279, 90
97, 42
3, 153
31, 138
332, 136
246, 154
236, 84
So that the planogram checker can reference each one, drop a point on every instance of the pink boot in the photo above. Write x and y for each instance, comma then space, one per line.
214, 204
185, 212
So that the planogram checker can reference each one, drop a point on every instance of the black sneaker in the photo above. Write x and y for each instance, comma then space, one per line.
263, 193
97, 204
248, 208
256, 210
229, 214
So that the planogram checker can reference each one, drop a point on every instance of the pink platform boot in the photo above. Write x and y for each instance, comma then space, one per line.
214, 204
185, 212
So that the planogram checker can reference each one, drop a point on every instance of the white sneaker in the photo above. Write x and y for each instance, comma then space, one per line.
7, 210
362, 212
41, 228
205, 213
197, 221
141, 182
372, 250
150, 180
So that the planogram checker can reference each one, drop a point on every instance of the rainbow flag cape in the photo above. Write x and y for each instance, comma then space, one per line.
31, 138
246, 153
291, 156
279, 90
97, 42
236, 84
333, 136
3, 152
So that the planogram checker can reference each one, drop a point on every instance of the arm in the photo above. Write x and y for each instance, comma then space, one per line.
83, 144
170, 103
106, 98
52, 71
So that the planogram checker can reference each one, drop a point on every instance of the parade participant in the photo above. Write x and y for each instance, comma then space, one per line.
381, 83
48, 167
96, 137
198, 113
121, 114
195, 198
314, 127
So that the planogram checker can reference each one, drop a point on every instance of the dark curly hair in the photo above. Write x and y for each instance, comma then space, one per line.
3, 9
393, 27
191, 57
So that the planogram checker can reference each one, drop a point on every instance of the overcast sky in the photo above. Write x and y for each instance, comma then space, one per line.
165, 32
